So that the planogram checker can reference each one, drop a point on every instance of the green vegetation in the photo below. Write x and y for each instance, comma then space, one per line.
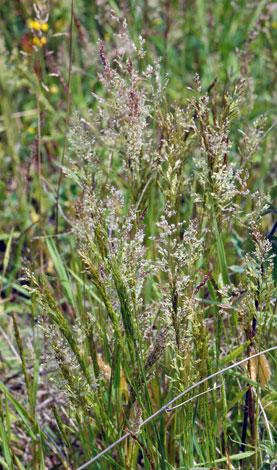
138, 234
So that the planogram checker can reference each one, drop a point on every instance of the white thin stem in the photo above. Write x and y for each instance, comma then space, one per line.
193, 398
265, 418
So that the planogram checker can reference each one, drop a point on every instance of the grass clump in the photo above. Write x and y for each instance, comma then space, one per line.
158, 270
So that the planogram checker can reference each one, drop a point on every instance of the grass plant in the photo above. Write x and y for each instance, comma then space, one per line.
138, 235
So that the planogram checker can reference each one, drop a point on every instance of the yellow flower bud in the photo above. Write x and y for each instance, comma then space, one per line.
34, 24
37, 41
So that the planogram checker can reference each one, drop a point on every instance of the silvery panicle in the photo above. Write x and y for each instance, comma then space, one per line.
124, 114
220, 179
124, 240
254, 133
179, 250
84, 164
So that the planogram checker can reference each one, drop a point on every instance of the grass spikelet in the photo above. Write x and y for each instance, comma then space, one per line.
57, 317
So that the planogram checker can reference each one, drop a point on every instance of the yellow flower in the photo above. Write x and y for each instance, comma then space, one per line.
34, 24
274, 24
53, 89
39, 42
36, 41
31, 130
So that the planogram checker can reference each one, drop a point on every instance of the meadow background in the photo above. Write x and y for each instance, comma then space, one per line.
137, 233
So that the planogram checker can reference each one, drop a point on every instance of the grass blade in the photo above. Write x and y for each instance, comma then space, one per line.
221, 255
62, 273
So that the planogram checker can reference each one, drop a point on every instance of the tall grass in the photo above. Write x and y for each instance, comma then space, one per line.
158, 270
